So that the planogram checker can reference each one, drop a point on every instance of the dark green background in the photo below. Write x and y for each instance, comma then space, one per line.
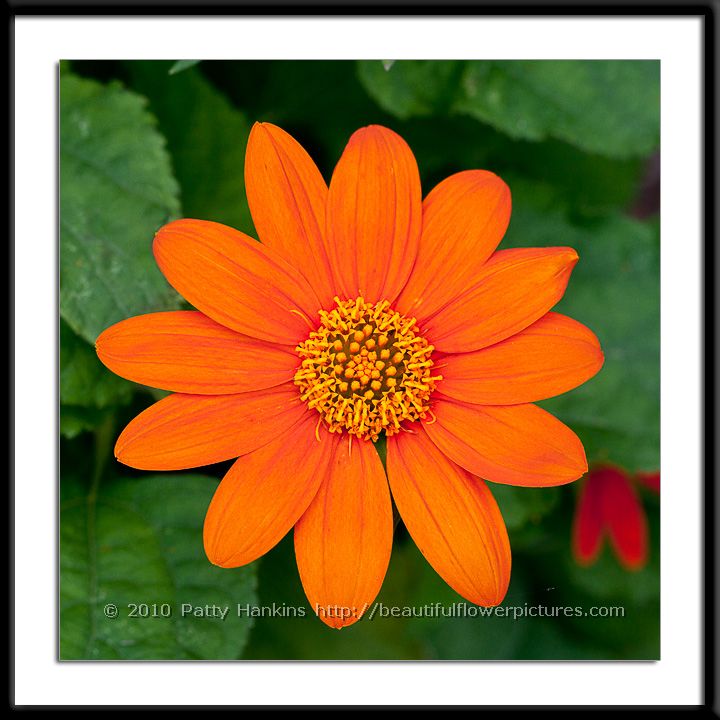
144, 142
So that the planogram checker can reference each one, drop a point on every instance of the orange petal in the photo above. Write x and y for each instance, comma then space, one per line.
452, 517
184, 431
588, 523
186, 351
553, 355
264, 494
512, 444
287, 197
512, 290
344, 539
236, 281
464, 219
374, 215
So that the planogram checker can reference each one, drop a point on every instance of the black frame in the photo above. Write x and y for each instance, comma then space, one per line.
709, 11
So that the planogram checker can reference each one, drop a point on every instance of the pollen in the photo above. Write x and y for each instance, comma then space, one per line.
342, 378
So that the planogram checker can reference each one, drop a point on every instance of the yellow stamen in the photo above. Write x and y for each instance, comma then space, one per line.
353, 391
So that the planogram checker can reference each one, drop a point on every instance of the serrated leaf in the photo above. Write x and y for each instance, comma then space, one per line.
116, 190
615, 291
606, 107
206, 137
139, 541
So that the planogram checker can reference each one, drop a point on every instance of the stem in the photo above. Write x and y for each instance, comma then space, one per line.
103, 442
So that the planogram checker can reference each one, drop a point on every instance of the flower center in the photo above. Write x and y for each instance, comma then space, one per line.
365, 369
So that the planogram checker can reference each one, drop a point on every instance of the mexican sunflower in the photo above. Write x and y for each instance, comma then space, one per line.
364, 312
609, 505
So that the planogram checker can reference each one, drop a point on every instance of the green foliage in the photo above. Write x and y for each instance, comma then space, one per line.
84, 380
89, 392
139, 542
206, 137
607, 581
116, 190
75, 420
605, 107
409, 88
179, 65
572, 140
520, 505
615, 291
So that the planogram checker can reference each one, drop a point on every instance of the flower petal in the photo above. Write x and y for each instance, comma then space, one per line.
650, 480
184, 431
514, 444
464, 219
512, 290
452, 517
550, 357
264, 494
588, 522
287, 197
186, 351
624, 517
236, 281
374, 215
344, 539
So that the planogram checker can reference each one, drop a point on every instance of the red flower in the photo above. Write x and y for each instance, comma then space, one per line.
608, 503
650, 480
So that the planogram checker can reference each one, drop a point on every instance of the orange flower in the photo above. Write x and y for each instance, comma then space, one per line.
365, 312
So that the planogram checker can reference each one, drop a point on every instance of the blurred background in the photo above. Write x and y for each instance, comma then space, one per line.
145, 142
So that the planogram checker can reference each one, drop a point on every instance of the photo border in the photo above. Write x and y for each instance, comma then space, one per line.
610, 9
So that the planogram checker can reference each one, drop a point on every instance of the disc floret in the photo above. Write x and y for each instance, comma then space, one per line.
366, 369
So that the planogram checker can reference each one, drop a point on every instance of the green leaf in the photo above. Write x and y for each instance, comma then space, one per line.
634, 594
615, 291
411, 88
139, 541
521, 505
300, 635
605, 579
180, 65
472, 633
206, 138
116, 190
590, 185
607, 107
84, 380
75, 420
